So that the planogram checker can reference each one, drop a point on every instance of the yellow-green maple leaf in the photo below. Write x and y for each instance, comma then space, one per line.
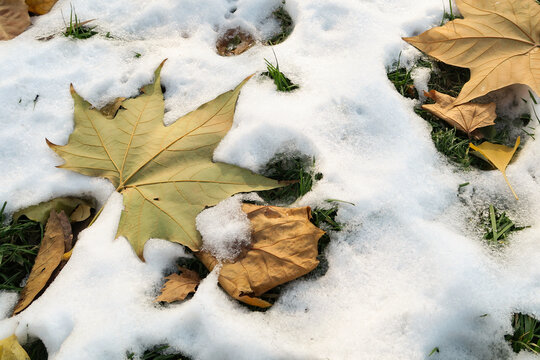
165, 174
10, 349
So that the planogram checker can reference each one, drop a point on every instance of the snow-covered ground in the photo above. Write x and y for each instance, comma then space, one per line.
408, 273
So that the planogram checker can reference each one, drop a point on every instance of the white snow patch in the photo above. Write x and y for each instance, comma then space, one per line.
225, 228
7, 303
420, 77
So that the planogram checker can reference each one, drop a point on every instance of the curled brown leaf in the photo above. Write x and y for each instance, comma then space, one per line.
234, 42
179, 286
467, 117
56, 239
283, 248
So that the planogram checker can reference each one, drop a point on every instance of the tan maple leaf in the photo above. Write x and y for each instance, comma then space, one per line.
498, 40
14, 18
283, 248
178, 286
57, 239
467, 117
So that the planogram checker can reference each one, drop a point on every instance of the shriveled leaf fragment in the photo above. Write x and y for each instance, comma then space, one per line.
234, 42
283, 248
110, 110
10, 349
56, 239
81, 213
14, 18
498, 40
467, 117
498, 155
165, 174
40, 7
178, 286
77, 208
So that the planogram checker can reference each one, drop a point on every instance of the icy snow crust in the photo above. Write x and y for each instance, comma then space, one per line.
407, 274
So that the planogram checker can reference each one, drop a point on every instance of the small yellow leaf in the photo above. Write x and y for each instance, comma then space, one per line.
178, 286
40, 7
498, 155
56, 240
10, 349
14, 18
467, 117
283, 248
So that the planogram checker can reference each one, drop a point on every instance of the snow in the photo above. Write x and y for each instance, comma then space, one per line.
225, 228
408, 273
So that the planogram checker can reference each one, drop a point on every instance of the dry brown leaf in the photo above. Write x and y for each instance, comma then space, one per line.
467, 117
498, 155
234, 42
40, 7
283, 248
178, 286
498, 40
14, 18
10, 349
55, 240
110, 110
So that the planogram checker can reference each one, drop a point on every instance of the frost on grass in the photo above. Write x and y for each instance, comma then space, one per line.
225, 228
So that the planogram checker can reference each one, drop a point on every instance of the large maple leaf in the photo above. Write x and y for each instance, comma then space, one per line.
499, 40
165, 174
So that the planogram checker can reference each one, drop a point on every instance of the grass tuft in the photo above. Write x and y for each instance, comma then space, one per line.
77, 29
285, 24
19, 245
282, 82
449, 15
499, 226
454, 147
526, 334
326, 220
297, 170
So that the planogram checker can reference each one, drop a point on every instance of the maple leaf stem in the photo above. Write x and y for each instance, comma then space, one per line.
96, 216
